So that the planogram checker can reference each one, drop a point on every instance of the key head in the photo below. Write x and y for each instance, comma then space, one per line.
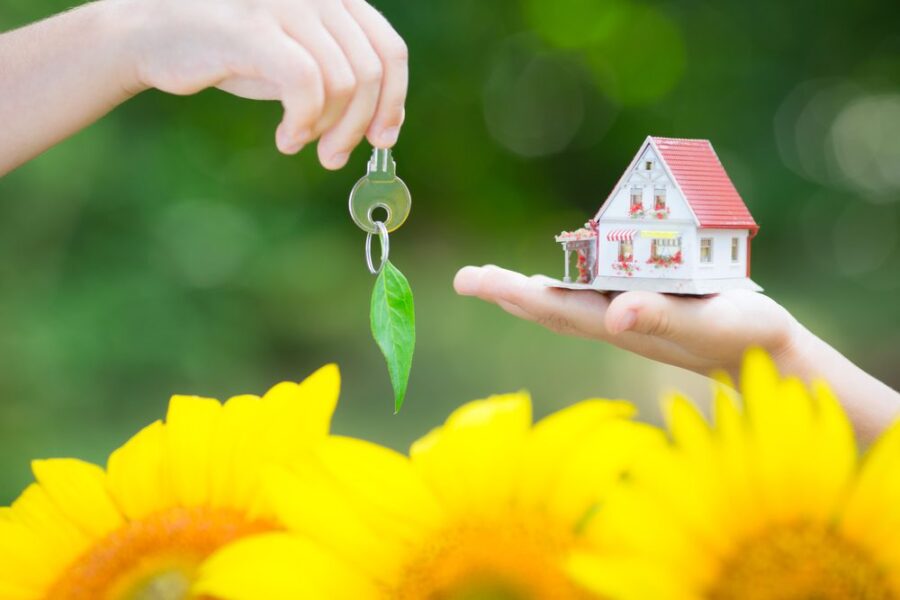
380, 188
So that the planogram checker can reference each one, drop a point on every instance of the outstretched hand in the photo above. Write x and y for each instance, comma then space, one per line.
697, 333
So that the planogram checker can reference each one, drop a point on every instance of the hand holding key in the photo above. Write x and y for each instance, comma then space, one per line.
337, 66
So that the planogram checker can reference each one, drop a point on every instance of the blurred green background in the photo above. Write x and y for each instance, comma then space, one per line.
170, 248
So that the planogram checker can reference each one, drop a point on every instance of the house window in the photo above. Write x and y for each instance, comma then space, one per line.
648, 165
637, 202
735, 250
665, 248
626, 251
659, 199
706, 250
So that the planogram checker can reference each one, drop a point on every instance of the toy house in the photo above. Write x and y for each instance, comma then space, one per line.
673, 223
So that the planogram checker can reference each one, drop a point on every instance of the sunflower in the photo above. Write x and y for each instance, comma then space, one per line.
485, 507
171, 496
768, 502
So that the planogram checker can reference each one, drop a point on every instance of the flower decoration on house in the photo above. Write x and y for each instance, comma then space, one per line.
636, 211
767, 501
584, 233
664, 261
626, 266
661, 212
584, 269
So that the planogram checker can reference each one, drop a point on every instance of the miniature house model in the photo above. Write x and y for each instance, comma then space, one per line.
673, 223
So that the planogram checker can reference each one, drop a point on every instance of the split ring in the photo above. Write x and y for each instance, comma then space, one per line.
385, 248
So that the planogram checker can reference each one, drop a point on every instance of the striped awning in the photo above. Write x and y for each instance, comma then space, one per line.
621, 235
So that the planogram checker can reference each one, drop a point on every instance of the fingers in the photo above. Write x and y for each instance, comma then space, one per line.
394, 55
664, 316
337, 73
562, 311
337, 143
279, 59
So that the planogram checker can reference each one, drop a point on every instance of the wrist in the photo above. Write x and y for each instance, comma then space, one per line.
794, 354
120, 24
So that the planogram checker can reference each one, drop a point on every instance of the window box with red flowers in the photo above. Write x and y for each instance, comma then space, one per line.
664, 262
636, 211
660, 212
626, 267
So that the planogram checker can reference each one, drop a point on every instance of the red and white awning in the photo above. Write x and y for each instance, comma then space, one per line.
621, 235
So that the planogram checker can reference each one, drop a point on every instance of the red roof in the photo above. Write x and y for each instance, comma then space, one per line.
705, 184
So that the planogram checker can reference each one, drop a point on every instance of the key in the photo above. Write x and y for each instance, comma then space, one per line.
380, 188
392, 317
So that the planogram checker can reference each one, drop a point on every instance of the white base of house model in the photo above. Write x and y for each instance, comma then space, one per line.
694, 287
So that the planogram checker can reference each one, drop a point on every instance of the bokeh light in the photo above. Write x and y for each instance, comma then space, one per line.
534, 102
866, 139
803, 127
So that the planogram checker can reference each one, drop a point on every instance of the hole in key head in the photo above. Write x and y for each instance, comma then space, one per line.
379, 213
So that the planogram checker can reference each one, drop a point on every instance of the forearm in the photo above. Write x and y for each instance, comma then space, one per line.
870, 404
59, 75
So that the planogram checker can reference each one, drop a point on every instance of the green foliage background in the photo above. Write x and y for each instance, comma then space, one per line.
169, 248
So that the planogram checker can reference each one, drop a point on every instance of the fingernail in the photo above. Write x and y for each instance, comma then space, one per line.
627, 321
338, 160
282, 140
466, 281
304, 136
389, 136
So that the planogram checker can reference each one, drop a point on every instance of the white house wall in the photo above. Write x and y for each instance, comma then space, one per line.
615, 215
648, 181
722, 267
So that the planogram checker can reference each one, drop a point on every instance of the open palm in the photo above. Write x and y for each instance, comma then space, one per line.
697, 333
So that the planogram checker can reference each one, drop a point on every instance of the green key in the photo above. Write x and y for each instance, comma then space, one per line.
380, 188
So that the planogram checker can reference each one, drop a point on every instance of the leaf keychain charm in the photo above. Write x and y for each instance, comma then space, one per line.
393, 316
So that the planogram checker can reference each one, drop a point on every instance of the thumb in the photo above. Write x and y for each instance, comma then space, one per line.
648, 313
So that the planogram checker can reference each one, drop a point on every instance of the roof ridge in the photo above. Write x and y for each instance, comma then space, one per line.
673, 139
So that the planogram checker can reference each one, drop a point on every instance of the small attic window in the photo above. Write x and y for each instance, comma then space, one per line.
648, 165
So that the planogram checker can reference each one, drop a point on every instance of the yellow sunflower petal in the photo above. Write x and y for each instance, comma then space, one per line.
37, 511
627, 579
79, 490
280, 567
309, 405
190, 425
472, 458
308, 503
554, 438
383, 482
38, 540
596, 465
688, 427
872, 512
28, 562
136, 475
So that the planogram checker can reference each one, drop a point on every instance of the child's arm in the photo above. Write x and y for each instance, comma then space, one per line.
700, 334
337, 66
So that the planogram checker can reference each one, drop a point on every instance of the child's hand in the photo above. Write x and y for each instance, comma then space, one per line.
701, 334
337, 66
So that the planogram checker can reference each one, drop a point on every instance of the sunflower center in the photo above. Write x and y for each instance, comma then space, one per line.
489, 563
154, 558
801, 561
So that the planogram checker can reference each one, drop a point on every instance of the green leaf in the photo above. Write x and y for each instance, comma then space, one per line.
394, 327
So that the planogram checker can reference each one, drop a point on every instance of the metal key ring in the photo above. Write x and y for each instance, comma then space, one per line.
385, 248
